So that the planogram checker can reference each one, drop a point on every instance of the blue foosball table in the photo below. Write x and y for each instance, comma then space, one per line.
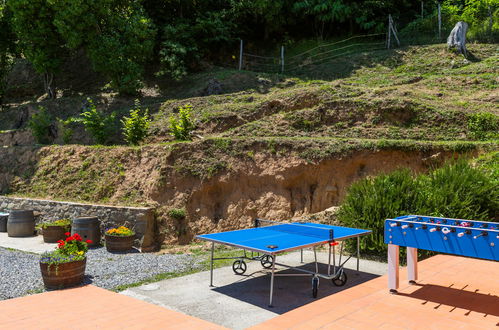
469, 238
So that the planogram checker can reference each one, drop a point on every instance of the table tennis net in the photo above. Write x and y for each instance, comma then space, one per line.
296, 228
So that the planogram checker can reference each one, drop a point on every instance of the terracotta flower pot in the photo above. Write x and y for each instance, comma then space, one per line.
63, 275
119, 243
51, 234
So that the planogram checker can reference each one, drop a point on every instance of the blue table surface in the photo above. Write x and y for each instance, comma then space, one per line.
259, 239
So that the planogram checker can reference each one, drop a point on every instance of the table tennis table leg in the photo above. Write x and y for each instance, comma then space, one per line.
272, 280
211, 263
316, 264
329, 262
334, 260
358, 253
301, 255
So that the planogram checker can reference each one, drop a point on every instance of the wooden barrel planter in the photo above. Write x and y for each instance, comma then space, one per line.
88, 228
21, 223
63, 275
3, 222
119, 243
52, 234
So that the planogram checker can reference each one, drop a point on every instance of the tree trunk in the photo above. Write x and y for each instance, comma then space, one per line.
48, 82
457, 37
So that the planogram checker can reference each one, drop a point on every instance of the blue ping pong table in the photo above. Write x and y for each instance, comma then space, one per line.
270, 238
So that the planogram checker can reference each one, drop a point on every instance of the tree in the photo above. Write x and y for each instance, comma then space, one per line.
39, 39
324, 11
117, 36
7, 47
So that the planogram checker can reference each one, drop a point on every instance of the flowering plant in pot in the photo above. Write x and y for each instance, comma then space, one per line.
65, 266
119, 239
54, 231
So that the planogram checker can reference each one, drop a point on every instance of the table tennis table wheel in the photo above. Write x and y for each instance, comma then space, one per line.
267, 261
239, 267
340, 279
315, 286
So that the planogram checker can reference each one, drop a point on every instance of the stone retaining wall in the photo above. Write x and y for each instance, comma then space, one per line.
16, 138
140, 219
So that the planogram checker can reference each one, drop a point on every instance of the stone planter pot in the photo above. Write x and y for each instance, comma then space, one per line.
119, 243
51, 234
63, 275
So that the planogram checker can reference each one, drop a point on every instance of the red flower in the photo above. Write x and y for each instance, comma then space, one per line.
77, 237
60, 241
69, 239
89, 241
61, 244
67, 234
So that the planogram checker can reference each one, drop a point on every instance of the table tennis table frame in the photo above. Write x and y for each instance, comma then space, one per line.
337, 270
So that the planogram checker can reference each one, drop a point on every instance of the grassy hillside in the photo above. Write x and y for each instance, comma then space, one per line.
270, 145
414, 93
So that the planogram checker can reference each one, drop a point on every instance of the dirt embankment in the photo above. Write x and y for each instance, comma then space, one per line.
224, 193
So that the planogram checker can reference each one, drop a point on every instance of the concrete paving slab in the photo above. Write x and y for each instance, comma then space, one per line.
241, 301
33, 244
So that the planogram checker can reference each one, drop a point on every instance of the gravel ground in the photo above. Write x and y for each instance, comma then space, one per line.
20, 271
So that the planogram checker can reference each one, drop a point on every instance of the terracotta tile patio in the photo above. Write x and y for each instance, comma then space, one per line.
90, 307
453, 292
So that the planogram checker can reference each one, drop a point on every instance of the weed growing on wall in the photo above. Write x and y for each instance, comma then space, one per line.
177, 214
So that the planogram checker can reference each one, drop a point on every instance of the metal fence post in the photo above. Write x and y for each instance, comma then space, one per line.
389, 31
241, 56
439, 22
282, 59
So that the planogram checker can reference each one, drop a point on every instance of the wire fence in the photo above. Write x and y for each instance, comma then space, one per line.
430, 26
315, 56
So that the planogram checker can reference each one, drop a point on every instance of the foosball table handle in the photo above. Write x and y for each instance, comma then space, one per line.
481, 234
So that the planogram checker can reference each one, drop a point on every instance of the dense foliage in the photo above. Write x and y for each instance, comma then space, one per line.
99, 125
7, 47
121, 37
456, 190
39, 125
136, 126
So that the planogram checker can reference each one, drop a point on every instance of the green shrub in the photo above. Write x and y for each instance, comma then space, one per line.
483, 126
177, 214
372, 200
456, 191
39, 124
460, 191
65, 131
97, 124
136, 127
489, 163
182, 127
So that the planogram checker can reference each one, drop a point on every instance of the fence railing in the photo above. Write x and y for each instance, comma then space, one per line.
313, 56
